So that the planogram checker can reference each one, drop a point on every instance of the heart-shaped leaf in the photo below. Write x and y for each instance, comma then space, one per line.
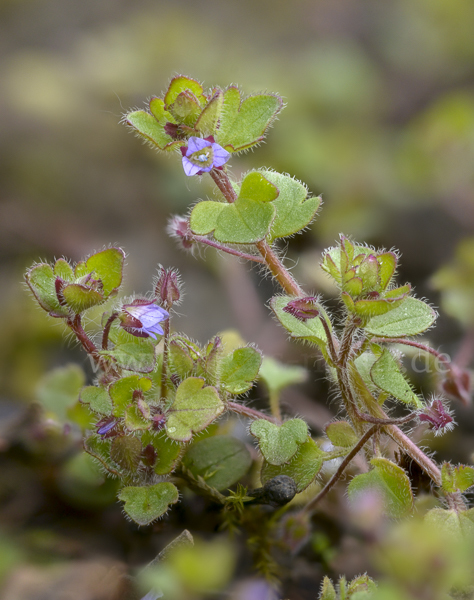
239, 370
386, 375
340, 433
168, 452
294, 210
194, 407
121, 391
108, 267
246, 221
41, 281
221, 460
80, 297
279, 443
389, 481
453, 524
97, 398
146, 504
243, 123
137, 355
302, 468
149, 128
412, 317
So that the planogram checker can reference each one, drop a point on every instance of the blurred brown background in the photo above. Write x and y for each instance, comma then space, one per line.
380, 121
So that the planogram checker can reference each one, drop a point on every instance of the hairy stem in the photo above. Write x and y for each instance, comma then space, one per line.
105, 334
337, 475
240, 409
164, 365
275, 405
439, 355
274, 264
203, 240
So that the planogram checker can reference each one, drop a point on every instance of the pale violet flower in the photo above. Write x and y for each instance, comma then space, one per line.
202, 155
142, 318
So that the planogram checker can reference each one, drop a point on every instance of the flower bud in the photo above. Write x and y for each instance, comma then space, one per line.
141, 318
437, 416
167, 287
303, 308
457, 383
178, 227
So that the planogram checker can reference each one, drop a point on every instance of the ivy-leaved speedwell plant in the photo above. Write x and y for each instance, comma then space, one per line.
156, 389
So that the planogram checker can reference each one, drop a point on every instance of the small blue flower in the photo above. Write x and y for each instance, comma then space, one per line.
142, 317
202, 155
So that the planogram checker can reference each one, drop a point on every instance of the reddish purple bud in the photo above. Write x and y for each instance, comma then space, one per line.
142, 318
437, 416
59, 285
137, 395
167, 286
172, 129
178, 227
303, 308
458, 384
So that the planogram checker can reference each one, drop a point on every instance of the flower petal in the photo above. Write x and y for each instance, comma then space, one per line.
195, 144
189, 168
221, 156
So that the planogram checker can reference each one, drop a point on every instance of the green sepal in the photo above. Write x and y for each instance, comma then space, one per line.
41, 281
361, 588
311, 330
221, 460
388, 264
244, 123
186, 108
390, 481
80, 297
302, 467
180, 359
97, 398
158, 110
193, 409
209, 118
340, 433
456, 479
294, 210
366, 309
328, 591
149, 128
126, 451
412, 317
168, 452
146, 504
137, 355
245, 221
121, 392
63, 269
239, 370
279, 443
353, 287
386, 375
180, 84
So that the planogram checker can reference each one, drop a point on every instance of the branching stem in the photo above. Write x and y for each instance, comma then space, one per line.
240, 409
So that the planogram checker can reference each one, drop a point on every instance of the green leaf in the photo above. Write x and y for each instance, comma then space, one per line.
108, 267
126, 452
294, 210
456, 479
278, 376
302, 468
368, 309
138, 355
453, 524
220, 460
243, 124
239, 370
327, 590
311, 330
181, 84
209, 118
97, 398
390, 481
385, 373
361, 587
168, 452
195, 406
41, 281
279, 443
149, 128
121, 391
80, 414
59, 389
158, 110
80, 297
245, 221
387, 265
146, 504
340, 433
412, 317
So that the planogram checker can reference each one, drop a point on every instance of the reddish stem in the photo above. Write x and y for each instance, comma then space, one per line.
440, 356
203, 240
223, 183
240, 409
105, 334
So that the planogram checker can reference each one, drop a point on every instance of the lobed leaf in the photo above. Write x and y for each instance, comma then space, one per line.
97, 398
386, 375
146, 504
239, 370
412, 317
279, 443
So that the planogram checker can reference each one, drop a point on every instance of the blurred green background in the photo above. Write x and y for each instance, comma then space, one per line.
380, 121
